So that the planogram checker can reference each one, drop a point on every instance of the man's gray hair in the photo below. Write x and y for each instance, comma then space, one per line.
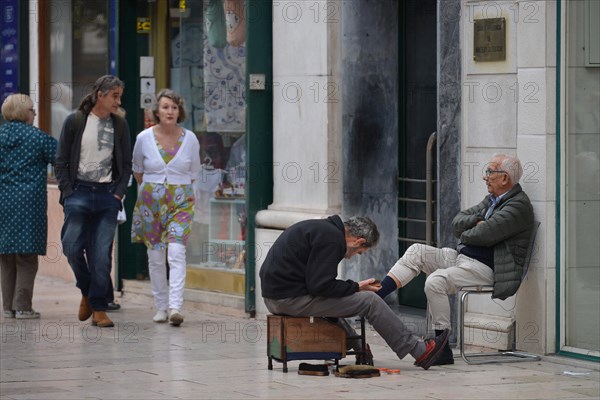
104, 84
363, 227
512, 166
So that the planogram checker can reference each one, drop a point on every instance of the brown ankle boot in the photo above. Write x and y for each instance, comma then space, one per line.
85, 311
99, 318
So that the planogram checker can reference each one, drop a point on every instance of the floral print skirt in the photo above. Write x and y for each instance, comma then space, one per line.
163, 214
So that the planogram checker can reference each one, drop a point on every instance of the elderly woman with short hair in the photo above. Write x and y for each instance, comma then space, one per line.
26, 152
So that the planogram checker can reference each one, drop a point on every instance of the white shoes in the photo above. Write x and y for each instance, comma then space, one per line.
161, 316
31, 314
176, 317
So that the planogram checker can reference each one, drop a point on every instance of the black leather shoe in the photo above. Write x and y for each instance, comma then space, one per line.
434, 348
112, 306
446, 357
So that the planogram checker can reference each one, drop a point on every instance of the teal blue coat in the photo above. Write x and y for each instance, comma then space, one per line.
25, 152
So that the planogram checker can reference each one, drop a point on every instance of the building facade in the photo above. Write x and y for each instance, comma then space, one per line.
338, 102
376, 73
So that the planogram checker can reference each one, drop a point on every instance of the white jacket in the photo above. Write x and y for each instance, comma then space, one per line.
181, 170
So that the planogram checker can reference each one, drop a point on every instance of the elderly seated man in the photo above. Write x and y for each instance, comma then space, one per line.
494, 236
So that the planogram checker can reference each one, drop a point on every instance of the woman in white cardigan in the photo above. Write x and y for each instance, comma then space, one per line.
166, 160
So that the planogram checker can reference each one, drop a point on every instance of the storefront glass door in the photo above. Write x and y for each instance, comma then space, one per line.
581, 273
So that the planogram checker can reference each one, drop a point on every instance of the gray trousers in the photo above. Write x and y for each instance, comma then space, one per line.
363, 304
17, 272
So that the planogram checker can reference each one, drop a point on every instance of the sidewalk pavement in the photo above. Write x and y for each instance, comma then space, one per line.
220, 357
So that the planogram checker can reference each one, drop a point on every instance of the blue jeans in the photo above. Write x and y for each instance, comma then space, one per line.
87, 236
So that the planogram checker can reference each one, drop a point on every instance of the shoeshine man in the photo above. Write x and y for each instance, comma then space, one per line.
299, 278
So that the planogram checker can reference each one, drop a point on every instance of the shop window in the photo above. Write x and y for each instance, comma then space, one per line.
78, 54
78, 43
206, 42
581, 286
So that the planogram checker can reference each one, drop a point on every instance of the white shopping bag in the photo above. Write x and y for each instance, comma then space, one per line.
122, 215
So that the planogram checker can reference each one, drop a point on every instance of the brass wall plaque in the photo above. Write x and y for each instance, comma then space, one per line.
489, 42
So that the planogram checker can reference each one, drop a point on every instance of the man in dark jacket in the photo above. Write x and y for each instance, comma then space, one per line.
299, 278
93, 166
494, 236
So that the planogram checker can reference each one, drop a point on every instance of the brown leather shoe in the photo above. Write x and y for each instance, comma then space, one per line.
99, 318
85, 311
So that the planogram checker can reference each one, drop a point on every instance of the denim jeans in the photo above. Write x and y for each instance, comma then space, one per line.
87, 236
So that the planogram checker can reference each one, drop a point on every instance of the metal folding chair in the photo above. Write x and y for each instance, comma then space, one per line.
511, 355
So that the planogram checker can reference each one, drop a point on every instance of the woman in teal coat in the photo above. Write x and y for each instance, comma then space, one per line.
25, 152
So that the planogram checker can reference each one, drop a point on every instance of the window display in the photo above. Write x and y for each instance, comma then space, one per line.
79, 54
207, 66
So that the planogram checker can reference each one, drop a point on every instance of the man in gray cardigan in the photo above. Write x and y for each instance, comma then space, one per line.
494, 236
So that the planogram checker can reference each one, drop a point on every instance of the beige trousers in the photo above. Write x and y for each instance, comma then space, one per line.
446, 270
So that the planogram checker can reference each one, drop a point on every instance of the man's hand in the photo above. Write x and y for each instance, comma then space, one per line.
369, 284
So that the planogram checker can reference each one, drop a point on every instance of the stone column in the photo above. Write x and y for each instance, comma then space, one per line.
307, 137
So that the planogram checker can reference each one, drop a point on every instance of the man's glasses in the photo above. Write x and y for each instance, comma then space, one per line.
33, 111
489, 172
